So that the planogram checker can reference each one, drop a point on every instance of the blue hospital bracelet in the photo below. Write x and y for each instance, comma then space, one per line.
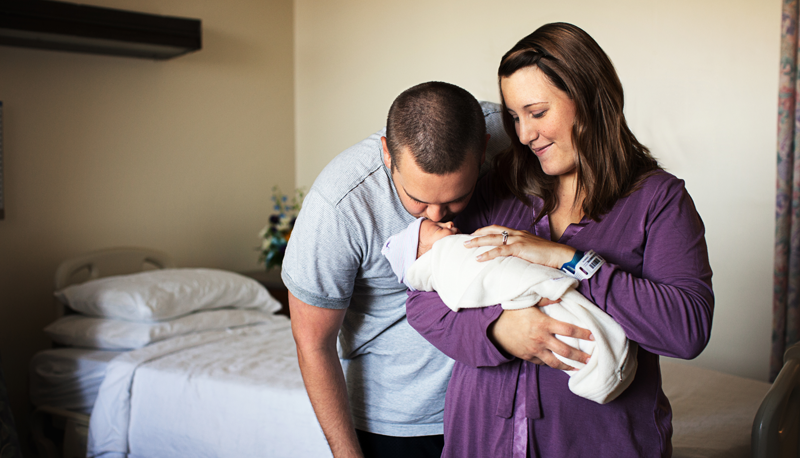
585, 266
569, 267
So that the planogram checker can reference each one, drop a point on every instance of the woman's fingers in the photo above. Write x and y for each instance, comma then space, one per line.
499, 238
567, 351
545, 302
569, 330
557, 347
521, 244
556, 363
530, 334
495, 253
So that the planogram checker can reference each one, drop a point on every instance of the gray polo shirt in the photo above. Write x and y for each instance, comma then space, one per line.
396, 380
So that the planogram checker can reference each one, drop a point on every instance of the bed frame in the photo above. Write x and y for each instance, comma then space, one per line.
776, 428
72, 426
775, 432
109, 262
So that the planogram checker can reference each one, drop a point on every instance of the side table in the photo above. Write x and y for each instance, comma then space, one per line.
272, 281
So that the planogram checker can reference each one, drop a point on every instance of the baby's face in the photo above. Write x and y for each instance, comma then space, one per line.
430, 232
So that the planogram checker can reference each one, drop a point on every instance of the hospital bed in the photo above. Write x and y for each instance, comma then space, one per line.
232, 392
238, 392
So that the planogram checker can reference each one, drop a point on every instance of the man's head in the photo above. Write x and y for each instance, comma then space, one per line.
434, 146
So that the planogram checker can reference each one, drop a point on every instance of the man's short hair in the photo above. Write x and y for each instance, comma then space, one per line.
441, 125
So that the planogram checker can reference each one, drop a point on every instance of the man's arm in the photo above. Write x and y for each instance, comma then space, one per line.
315, 331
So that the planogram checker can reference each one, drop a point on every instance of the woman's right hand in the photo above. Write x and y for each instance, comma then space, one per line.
529, 334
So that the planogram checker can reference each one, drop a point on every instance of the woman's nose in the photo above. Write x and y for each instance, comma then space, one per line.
527, 132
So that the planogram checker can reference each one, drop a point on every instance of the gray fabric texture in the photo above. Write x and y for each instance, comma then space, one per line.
396, 380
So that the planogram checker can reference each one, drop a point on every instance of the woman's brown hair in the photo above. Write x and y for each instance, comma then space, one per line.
610, 161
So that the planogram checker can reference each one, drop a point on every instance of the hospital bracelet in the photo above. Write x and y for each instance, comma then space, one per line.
583, 265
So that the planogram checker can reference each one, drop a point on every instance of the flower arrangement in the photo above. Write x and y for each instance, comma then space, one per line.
276, 233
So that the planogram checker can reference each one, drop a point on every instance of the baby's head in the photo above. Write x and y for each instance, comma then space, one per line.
430, 232
403, 248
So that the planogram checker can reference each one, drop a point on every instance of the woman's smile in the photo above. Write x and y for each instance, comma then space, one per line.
541, 150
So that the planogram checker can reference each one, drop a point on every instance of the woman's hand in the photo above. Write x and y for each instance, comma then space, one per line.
529, 334
521, 244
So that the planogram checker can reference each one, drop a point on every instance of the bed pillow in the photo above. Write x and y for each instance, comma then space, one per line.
111, 334
165, 294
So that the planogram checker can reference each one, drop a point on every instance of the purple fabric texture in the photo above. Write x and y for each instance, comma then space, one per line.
786, 280
656, 285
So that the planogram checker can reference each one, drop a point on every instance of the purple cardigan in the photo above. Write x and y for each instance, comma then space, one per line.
656, 284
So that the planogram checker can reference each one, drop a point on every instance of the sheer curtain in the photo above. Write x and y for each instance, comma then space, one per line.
786, 296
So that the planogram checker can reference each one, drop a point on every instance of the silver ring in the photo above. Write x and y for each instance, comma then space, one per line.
505, 237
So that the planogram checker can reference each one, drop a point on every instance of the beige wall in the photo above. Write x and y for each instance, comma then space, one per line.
181, 155
701, 85
178, 155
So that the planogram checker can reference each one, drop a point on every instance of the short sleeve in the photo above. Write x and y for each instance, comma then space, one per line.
323, 254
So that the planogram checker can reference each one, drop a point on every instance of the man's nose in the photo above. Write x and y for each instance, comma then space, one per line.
435, 213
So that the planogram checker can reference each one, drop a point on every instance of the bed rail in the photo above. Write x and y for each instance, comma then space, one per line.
112, 261
108, 262
776, 428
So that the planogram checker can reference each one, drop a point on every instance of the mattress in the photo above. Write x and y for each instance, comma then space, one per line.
233, 393
240, 393
712, 412
68, 378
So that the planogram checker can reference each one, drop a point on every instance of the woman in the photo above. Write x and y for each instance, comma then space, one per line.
576, 179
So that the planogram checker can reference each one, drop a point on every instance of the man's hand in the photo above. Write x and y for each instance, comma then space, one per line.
315, 331
529, 334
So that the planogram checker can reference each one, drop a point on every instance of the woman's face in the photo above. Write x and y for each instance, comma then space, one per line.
543, 118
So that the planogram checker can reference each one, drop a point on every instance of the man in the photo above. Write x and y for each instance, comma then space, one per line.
386, 395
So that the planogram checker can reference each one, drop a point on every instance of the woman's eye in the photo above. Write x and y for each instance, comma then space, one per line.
539, 114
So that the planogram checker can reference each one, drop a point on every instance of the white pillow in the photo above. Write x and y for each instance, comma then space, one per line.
165, 294
111, 334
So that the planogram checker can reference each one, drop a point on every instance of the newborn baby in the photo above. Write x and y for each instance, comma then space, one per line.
429, 256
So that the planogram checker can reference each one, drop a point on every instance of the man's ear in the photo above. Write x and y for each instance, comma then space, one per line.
387, 158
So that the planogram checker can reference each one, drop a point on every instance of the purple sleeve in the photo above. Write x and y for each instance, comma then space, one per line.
668, 308
460, 335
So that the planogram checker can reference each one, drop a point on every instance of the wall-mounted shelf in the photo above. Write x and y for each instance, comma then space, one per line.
47, 24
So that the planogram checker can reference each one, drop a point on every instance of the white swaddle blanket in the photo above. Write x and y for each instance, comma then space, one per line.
451, 269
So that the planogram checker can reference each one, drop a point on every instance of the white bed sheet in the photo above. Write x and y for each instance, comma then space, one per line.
239, 393
712, 412
234, 393
68, 378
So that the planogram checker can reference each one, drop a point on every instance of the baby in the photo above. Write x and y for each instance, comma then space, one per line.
429, 256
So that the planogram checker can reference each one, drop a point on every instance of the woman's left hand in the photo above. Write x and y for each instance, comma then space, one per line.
521, 244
